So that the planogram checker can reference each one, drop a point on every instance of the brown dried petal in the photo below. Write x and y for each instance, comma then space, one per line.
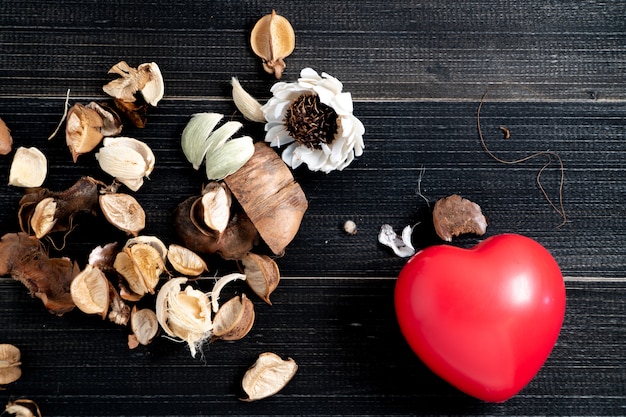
262, 275
454, 215
234, 319
267, 376
9, 364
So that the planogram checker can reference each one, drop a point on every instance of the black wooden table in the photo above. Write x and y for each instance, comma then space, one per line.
555, 76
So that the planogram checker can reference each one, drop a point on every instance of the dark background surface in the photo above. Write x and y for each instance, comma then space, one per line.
555, 72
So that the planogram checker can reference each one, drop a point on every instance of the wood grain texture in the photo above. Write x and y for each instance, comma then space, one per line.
556, 76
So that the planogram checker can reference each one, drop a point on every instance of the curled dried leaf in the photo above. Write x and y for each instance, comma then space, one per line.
262, 275
10, 370
272, 39
29, 168
124, 212
185, 260
234, 319
6, 141
268, 375
90, 291
454, 215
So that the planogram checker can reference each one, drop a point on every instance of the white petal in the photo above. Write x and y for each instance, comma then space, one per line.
389, 238
342, 104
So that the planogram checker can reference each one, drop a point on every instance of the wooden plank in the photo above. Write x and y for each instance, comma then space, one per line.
344, 337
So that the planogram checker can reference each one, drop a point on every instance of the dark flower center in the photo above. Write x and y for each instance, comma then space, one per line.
311, 122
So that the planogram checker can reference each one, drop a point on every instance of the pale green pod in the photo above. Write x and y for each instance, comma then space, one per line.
231, 156
196, 135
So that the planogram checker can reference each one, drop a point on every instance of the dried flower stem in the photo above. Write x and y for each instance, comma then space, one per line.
549, 154
65, 109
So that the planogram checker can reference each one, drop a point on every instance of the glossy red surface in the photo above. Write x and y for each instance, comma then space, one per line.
484, 319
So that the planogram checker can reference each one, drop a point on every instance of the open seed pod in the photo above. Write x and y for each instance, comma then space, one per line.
185, 261
268, 193
262, 274
124, 212
237, 239
10, 370
90, 291
6, 141
234, 319
144, 325
141, 266
268, 375
23, 407
273, 39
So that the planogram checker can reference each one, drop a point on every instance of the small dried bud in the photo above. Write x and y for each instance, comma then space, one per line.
350, 227
262, 275
29, 168
267, 376
454, 215
273, 39
9, 364
124, 212
234, 319
6, 141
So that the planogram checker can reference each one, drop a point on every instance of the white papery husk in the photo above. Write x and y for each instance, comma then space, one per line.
184, 314
348, 142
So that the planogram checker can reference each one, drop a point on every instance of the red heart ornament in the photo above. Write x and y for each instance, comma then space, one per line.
484, 319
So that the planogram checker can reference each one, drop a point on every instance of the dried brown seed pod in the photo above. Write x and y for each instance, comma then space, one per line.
6, 141
9, 364
111, 121
141, 266
185, 261
262, 275
272, 39
82, 197
146, 79
124, 212
234, 319
216, 201
144, 325
454, 215
24, 258
83, 129
268, 375
44, 217
153, 241
90, 291
269, 195
23, 408
237, 239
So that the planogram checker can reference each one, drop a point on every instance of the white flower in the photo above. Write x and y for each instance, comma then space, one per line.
315, 118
